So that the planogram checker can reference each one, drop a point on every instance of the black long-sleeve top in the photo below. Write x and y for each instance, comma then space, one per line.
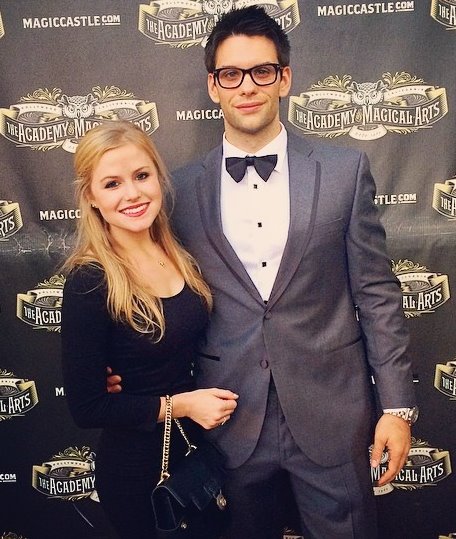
91, 341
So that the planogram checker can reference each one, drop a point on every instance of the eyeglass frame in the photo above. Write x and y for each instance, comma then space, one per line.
278, 69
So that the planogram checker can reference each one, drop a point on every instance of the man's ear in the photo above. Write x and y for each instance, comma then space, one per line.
285, 81
212, 88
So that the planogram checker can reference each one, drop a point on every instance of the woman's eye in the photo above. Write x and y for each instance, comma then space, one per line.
111, 184
142, 176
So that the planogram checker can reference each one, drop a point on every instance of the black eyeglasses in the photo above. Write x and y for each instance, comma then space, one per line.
233, 77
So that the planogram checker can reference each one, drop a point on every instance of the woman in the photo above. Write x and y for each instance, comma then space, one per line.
133, 300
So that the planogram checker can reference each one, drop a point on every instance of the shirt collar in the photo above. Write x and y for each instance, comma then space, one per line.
277, 146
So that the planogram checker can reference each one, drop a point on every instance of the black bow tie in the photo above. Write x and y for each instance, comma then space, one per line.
236, 166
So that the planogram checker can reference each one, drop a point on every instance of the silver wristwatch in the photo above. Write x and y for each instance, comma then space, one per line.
408, 414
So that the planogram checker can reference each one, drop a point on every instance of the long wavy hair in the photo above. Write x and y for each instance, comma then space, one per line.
127, 299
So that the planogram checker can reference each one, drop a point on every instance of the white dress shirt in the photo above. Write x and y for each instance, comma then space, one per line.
256, 214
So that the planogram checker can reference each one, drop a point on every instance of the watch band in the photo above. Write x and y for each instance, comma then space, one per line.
408, 414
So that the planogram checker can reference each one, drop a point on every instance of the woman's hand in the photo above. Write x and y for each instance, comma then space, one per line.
209, 408
113, 382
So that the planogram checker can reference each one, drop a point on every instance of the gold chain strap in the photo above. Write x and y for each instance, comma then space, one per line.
167, 438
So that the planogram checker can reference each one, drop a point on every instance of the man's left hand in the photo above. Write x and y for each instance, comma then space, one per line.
393, 435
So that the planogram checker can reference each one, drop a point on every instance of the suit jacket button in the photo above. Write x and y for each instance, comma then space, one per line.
267, 315
264, 363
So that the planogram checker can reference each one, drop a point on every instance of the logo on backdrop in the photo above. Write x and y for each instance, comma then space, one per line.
451, 536
445, 378
370, 8
444, 12
41, 307
393, 199
11, 535
199, 114
288, 533
69, 475
2, 28
17, 396
47, 119
399, 103
425, 467
8, 478
422, 291
10, 219
60, 214
184, 24
66, 21
444, 198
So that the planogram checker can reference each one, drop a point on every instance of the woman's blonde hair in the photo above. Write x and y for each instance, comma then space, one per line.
127, 300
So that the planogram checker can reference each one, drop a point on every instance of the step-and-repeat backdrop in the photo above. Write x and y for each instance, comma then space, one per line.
377, 76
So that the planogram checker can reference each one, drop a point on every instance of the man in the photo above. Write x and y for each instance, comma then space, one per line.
306, 308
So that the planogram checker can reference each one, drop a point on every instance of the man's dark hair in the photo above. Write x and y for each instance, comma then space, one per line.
249, 21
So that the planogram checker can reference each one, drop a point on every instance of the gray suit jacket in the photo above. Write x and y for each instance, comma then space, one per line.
334, 317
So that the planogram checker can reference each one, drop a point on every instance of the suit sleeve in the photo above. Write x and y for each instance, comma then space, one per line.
86, 327
378, 297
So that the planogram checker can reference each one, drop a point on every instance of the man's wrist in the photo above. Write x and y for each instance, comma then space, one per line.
407, 414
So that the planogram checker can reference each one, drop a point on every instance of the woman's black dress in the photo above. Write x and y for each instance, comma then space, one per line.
129, 453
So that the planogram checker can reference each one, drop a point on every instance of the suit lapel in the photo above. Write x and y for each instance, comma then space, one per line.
208, 194
304, 177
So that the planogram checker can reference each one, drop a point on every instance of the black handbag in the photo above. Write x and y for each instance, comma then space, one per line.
188, 503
